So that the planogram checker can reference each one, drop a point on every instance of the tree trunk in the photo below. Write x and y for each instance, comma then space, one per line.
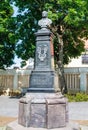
61, 66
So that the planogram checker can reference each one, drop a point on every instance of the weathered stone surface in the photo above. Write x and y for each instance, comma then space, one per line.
56, 115
44, 96
56, 100
38, 115
39, 111
20, 116
41, 81
67, 110
24, 113
70, 126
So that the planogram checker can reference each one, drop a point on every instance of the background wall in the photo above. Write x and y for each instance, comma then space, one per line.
76, 79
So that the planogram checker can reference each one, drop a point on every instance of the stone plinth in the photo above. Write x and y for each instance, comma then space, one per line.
43, 111
24, 113
15, 126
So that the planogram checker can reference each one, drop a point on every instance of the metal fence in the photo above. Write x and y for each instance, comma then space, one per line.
76, 79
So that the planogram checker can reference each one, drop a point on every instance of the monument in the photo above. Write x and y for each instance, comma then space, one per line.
43, 107
43, 75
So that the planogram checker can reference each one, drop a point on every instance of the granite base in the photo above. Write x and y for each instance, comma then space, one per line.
43, 111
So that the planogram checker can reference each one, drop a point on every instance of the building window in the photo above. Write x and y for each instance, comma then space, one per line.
85, 57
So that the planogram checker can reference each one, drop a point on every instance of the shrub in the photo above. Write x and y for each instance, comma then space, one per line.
78, 97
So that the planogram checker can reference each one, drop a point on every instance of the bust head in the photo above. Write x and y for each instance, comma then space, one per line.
44, 14
44, 22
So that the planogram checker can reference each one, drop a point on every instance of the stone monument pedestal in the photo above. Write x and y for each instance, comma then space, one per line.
43, 110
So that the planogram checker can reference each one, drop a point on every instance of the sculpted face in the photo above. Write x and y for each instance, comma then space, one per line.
45, 21
44, 14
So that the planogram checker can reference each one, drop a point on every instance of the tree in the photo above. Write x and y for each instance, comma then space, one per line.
70, 18
7, 36
68, 27
27, 22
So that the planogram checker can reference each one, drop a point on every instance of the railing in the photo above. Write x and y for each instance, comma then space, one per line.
23, 81
14, 79
76, 79
6, 80
73, 82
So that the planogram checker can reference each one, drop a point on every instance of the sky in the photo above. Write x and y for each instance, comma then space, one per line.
16, 60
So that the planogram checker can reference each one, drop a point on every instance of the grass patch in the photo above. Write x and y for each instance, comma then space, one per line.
78, 97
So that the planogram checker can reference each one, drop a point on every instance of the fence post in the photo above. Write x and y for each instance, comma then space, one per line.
15, 80
83, 82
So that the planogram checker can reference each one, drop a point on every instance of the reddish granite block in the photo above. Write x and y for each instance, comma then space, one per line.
38, 115
24, 113
56, 114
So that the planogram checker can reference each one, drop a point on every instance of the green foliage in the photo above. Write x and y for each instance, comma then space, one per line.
27, 23
69, 18
78, 97
7, 35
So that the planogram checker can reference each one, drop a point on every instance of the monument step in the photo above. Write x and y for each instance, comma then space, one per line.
43, 90
15, 126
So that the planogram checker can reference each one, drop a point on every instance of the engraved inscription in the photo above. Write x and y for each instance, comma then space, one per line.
42, 81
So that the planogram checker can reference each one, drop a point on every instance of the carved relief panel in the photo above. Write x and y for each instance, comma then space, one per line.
42, 55
42, 52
